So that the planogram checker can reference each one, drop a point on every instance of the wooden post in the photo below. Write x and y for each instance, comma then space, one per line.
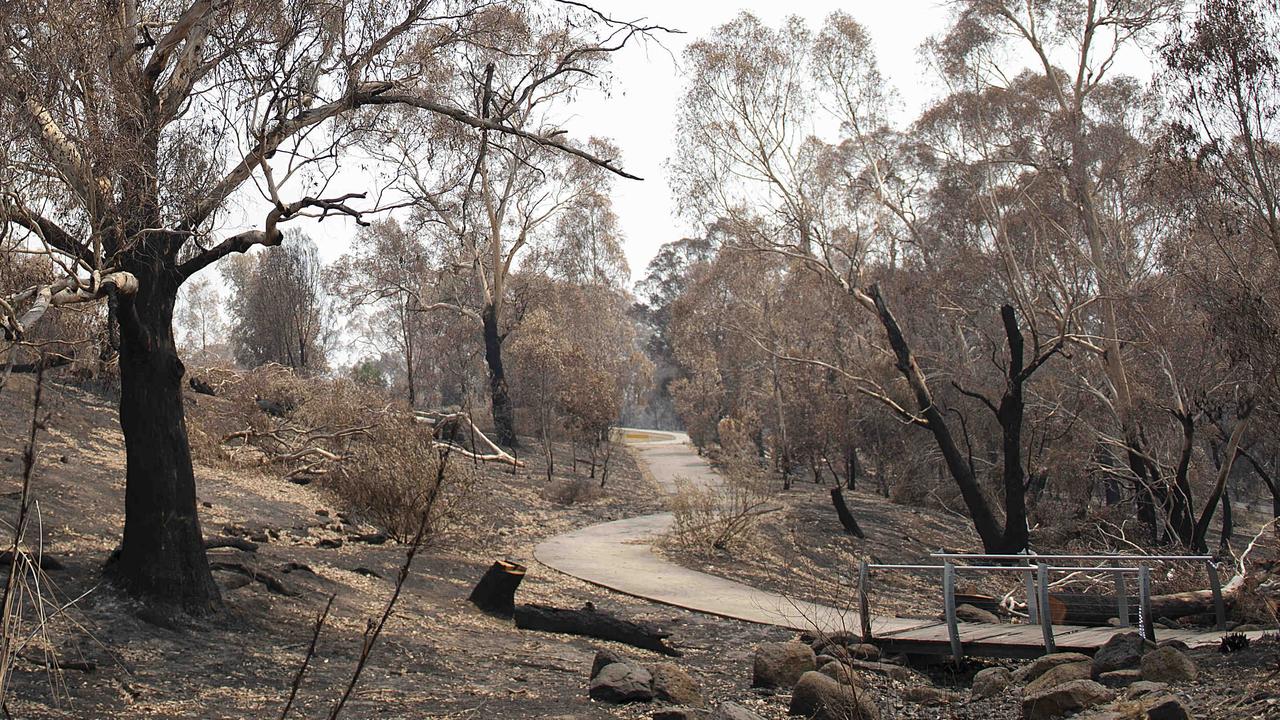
1046, 616
864, 604
1215, 585
949, 602
1122, 596
1146, 627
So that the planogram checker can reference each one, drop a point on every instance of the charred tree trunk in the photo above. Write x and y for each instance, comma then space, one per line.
1202, 525
1266, 480
1010, 415
851, 467
984, 520
1180, 498
504, 414
842, 511
162, 556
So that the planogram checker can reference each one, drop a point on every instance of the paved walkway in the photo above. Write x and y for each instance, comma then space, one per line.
619, 555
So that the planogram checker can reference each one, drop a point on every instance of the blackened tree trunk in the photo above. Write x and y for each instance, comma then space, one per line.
1010, 415
504, 415
931, 418
162, 557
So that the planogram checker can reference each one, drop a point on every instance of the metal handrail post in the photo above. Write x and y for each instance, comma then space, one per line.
949, 602
1215, 585
864, 604
1122, 596
1046, 616
1145, 625
1033, 614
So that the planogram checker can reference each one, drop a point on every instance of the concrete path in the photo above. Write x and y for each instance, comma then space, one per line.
619, 555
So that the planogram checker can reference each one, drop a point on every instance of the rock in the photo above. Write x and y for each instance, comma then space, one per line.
896, 672
819, 697
841, 638
864, 651
1063, 699
672, 684
679, 712
1143, 687
926, 695
1042, 664
780, 665
991, 681
622, 683
839, 672
733, 711
1166, 664
606, 657
1175, 644
824, 659
1122, 651
970, 613
1059, 675
1120, 678
1166, 707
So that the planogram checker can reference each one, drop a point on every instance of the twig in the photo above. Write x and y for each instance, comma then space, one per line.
374, 630
311, 652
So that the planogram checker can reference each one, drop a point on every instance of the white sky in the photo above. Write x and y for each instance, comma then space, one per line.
639, 113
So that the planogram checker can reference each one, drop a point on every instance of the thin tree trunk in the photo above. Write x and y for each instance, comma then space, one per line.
1219, 487
504, 416
162, 556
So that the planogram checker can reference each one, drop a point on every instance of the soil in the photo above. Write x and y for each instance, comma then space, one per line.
438, 656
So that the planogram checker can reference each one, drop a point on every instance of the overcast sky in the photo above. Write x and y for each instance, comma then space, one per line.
639, 112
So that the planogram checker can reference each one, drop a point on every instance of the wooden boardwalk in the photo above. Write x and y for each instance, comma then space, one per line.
1021, 641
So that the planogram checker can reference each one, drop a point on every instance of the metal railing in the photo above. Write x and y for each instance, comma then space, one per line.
1037, 587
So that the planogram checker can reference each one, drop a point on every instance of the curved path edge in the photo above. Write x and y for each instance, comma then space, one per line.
619, 555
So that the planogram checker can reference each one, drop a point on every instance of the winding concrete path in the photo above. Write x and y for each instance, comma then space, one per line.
619, 555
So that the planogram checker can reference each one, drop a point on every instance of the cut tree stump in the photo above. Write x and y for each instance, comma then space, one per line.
842, 511
496, 591
593, 623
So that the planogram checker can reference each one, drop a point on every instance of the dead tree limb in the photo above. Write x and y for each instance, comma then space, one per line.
593, 623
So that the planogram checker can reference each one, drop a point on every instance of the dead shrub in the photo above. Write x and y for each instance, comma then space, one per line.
723, 516
391, 477
573, 490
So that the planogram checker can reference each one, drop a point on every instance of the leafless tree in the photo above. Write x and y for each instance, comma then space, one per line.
133, 130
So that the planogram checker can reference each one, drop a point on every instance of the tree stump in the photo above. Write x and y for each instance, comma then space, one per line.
496, 591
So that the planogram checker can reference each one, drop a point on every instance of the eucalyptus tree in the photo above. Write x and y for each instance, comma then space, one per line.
138, 133
496, 200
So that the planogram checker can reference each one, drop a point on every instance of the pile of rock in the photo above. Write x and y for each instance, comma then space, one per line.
618, 679
1128, 677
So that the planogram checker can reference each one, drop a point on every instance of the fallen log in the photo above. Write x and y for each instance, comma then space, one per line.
593, 623
1097, 609
496, 591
